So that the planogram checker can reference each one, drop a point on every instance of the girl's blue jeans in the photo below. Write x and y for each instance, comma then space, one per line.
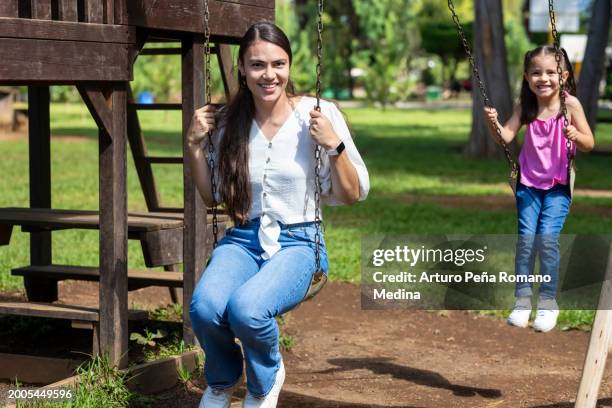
239, 296
541, 215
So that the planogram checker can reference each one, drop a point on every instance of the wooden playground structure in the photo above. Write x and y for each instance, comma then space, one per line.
93, 44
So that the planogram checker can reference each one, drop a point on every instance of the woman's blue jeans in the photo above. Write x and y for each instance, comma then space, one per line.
239, 296
541, 215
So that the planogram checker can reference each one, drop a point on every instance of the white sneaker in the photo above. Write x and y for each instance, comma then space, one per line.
213, 398
270, 400
545, 320
519, 317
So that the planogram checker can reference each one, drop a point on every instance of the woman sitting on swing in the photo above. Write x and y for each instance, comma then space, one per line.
264, 142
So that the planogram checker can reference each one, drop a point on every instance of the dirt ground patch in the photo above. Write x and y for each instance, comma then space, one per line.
349, 357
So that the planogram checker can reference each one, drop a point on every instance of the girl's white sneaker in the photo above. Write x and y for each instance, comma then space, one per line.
519, 317
271, 399
545, 320
216, 398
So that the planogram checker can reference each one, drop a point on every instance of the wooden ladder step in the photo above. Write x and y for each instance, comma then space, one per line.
50, 310
156, 106
136, 278
164, 160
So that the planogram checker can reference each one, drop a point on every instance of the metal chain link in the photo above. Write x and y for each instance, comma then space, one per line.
317, 220
211, 147
558, 58
481, 86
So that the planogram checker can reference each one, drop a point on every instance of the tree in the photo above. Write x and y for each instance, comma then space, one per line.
593, 65
388, 31
490, 55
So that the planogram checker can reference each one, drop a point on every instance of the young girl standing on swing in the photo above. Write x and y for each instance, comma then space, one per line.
264, 142
543, 194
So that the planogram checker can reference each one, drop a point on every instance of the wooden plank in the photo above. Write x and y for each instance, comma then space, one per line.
68, 10
114, 231
163, 247
186, 15
164, 160
40, 290
41, 9
228, 75
66, 31
136, 278
160, 375
161, 51
139, 152
35, 370
63, 61
49, 310
599, 345
59, 219
109, 11
94, 11
121, 12
9, 8
194, 251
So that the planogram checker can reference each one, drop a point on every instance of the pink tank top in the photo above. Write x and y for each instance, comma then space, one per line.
543, 158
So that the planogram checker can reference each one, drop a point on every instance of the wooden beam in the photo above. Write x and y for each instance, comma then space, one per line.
63, 61
186, 15
9, 8
68, 10
40, 290
35, 370
194, 251
41, 9
98, 107
139, 152
22, 28
113, 230
228, 74
599, 345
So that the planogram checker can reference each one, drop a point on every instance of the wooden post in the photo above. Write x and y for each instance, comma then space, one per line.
226, 65
194, 252
599, 344
39, 289
113, 230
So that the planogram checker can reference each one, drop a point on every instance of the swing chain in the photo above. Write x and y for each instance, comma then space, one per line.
481, 86
318, 148
211, 147
558, 59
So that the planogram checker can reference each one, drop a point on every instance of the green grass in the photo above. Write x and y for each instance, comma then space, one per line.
409, 154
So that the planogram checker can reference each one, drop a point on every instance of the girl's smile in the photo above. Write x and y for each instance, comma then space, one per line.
542, 76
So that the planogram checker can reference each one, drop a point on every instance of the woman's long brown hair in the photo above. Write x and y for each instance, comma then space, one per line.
237, 118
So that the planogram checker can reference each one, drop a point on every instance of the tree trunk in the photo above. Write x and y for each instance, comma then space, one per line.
594, 59
490, 59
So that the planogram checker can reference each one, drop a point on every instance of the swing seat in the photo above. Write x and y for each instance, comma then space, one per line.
319, 280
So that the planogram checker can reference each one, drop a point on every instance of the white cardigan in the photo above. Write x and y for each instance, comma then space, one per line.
282, 171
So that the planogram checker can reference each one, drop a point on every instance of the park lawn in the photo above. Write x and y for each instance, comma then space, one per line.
409, 154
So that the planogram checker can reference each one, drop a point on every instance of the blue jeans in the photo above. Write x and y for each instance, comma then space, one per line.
541, 215
239, 296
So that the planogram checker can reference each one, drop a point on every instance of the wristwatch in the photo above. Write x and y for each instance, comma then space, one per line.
335, 152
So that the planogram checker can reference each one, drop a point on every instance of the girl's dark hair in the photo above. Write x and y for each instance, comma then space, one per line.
529, 102
237, 118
